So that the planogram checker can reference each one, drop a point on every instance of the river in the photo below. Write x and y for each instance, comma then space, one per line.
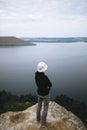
67, 68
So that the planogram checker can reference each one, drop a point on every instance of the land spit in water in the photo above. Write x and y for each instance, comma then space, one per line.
13, 41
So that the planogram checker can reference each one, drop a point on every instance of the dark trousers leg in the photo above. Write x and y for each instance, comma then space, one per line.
39, 109
45, 110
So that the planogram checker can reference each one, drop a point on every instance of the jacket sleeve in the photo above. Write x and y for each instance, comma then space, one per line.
49, 84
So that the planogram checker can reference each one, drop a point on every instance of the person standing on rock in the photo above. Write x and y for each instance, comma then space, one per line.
43, 88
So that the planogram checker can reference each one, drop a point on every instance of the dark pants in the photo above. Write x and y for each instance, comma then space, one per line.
45, 100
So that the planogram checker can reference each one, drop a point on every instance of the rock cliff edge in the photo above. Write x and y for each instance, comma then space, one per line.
58, 117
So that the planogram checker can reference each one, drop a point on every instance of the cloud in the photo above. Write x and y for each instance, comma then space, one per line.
43, 7
38, 15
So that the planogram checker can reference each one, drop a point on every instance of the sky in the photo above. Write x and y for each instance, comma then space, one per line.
43, 18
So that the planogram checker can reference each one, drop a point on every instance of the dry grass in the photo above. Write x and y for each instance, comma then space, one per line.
19, 117
58, 125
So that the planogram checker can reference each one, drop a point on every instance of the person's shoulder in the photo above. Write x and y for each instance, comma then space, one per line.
39, 73
46, 76
35, 72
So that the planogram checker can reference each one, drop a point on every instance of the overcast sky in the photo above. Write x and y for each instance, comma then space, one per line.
43, 18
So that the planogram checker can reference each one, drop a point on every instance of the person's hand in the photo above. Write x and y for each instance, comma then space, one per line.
48, 87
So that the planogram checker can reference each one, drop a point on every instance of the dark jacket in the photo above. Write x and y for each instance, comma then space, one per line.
43, 83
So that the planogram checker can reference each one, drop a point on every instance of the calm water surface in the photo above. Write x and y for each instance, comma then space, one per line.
67, 68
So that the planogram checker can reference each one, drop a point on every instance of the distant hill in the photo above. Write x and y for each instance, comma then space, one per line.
13, 41
56, 39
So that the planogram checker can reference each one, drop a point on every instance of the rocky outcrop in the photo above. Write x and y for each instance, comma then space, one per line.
58, 117
13, 41
77, 107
